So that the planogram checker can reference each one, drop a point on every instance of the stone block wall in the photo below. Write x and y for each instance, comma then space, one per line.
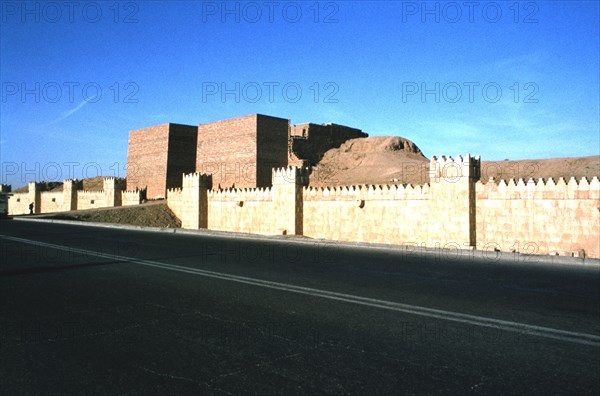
91, 200
453, 210
540, 216
393, 214
18, 203
194, 203
135, 197
175, 201
241, 210
70, 198
52, 202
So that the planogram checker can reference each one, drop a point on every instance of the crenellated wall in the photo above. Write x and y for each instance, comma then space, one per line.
51, 202
386, 214
91, 200
70, 198
175, 201
241, 210
540, 216
133, 197
18, 203
453, 210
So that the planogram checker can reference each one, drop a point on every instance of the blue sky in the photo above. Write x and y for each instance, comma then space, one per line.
516, 80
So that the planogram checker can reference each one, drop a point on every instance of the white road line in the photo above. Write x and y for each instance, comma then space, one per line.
515, 327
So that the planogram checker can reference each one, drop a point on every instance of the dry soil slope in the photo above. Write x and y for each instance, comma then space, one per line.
150, 214
393, 159
372, 160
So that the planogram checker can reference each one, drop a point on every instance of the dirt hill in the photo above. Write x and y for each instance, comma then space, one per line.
372, 160
151, 214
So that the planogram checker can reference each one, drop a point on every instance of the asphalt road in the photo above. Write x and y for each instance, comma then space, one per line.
87, 310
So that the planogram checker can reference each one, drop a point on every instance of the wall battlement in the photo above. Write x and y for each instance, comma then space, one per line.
242, 194
454, 210
368, 191
454, 169
290, 175
541, 188
90, 192
197, 179
133, 197
70, 198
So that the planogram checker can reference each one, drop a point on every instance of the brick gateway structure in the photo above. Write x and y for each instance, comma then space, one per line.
238, 152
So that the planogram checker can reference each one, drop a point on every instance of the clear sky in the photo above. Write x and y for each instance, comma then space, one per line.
516, 80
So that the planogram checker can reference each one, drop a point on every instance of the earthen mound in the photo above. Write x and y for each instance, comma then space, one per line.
151, 214
372, 160
379, 144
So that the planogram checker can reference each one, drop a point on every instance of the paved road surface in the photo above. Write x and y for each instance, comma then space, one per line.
87, 310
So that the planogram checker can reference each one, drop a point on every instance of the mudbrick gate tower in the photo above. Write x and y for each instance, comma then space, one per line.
157, 157
242, 151
239, 152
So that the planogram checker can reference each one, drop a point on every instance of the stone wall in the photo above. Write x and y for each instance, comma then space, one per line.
453, 210
440, 213
540, 216
91, 200
243, 210
135, 197
175, 201
384, 214
18, 203
70, 198
52, 202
